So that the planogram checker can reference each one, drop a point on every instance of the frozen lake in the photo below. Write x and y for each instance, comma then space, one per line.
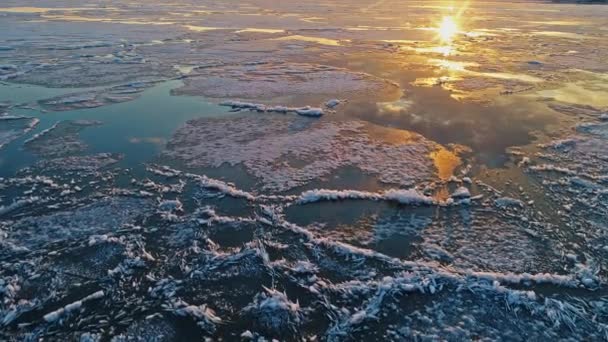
319, 170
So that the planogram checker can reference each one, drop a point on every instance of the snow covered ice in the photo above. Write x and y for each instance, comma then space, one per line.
336, 170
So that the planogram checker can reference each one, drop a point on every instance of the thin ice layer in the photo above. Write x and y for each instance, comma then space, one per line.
283, 156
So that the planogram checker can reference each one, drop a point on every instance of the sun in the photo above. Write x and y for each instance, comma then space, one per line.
447, 29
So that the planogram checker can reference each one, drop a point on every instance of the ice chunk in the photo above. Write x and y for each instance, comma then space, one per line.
409, 196
247, 335
333, 103
508, 202
334, 195
461, 193
205, 317
402, 196
304, 111
273, 312
59, 313
309, 111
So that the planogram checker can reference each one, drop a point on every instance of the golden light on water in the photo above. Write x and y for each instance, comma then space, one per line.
445, 162
448, 29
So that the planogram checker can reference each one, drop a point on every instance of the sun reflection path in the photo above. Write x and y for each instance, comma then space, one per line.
448, 29
446, 32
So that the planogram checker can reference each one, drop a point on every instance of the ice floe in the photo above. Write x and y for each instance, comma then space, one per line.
407, 196
304, 111
283, 159
271, 80
96, 98
60, 139
74, 74
66, 310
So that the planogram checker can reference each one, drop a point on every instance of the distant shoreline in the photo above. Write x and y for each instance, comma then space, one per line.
581, 1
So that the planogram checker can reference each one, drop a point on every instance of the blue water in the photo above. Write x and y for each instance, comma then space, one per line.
138, 129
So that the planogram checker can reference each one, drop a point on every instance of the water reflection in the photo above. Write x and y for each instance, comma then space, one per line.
487, 130
126, 21
201, 28
393, 108
309, 39
460, 68
445, 50
585, 93
260, 30
445, 162
38, 10
452, 65
447, 29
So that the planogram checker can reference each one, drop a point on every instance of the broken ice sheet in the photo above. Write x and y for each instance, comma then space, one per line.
101, 217
60, 139
573, 172
13, 127
372, 222
94, 74
479, 238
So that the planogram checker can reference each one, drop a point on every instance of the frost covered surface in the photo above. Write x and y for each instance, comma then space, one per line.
282, 156
272, 80
80, 163
104, 72
101, 217
274, 312
61, 139
285, 277
288, 275
96, 98
573, 171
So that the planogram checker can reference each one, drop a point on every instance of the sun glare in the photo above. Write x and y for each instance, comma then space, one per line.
448, 29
